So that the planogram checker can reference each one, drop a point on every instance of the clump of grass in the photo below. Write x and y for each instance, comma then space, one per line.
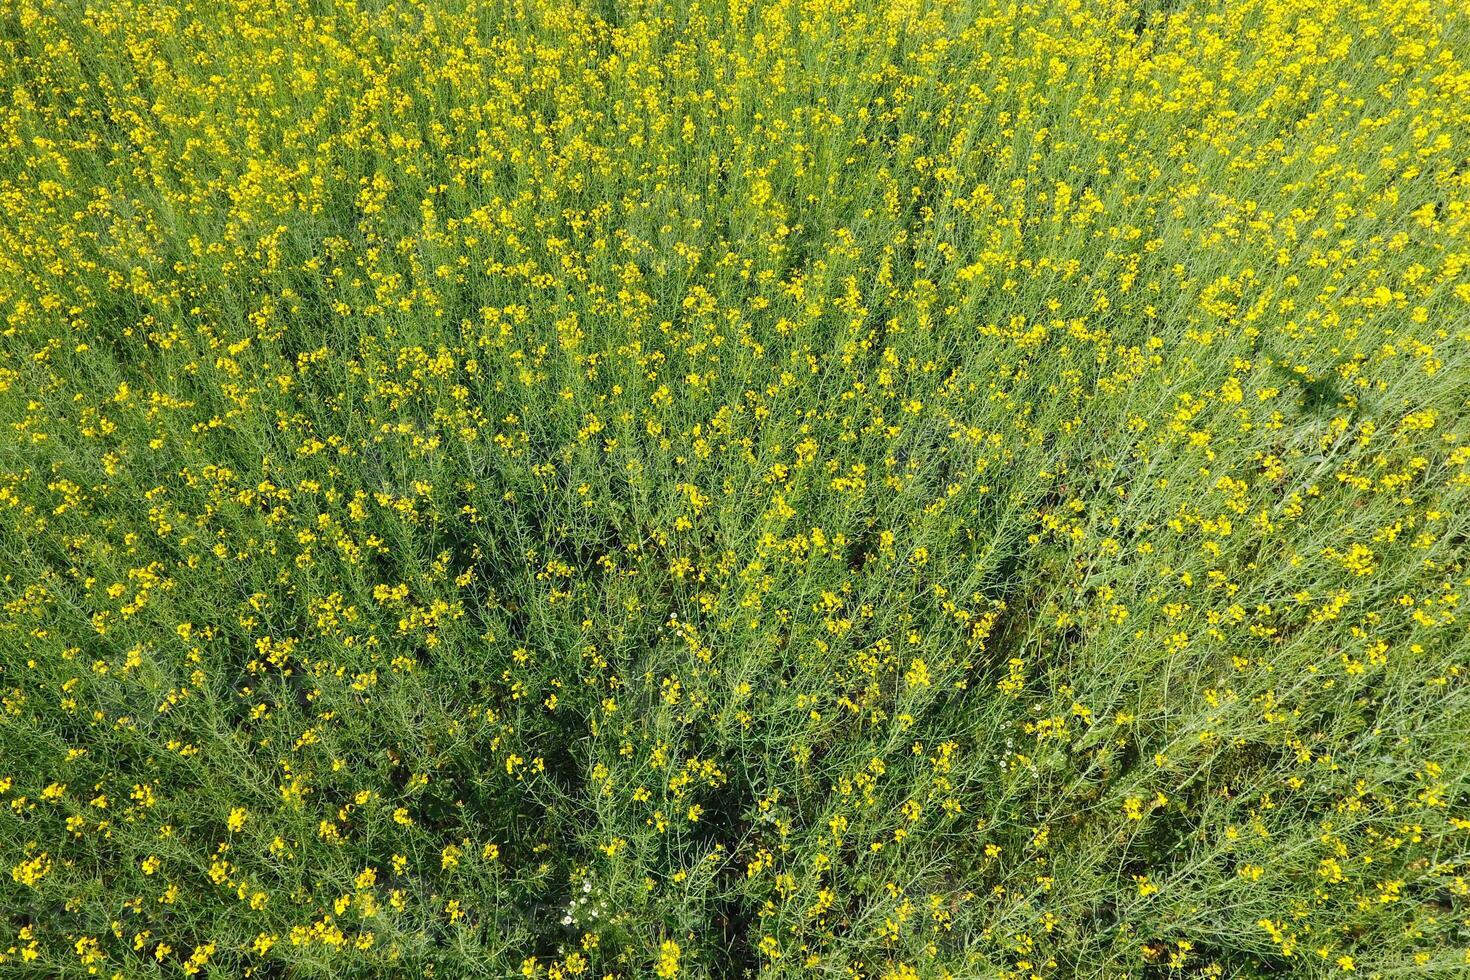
884, 490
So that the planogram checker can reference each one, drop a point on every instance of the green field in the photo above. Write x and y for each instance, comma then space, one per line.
869, 489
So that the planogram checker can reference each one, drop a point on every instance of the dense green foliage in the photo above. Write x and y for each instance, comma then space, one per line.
853, 488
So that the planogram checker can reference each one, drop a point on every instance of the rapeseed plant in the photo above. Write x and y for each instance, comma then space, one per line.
862, 488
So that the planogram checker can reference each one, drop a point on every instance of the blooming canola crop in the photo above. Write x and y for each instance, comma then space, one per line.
884, 489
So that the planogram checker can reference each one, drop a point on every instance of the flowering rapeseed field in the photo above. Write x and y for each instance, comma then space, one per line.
877, 489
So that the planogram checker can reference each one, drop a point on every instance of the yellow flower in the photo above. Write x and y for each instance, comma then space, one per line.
30, 872
668, 960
